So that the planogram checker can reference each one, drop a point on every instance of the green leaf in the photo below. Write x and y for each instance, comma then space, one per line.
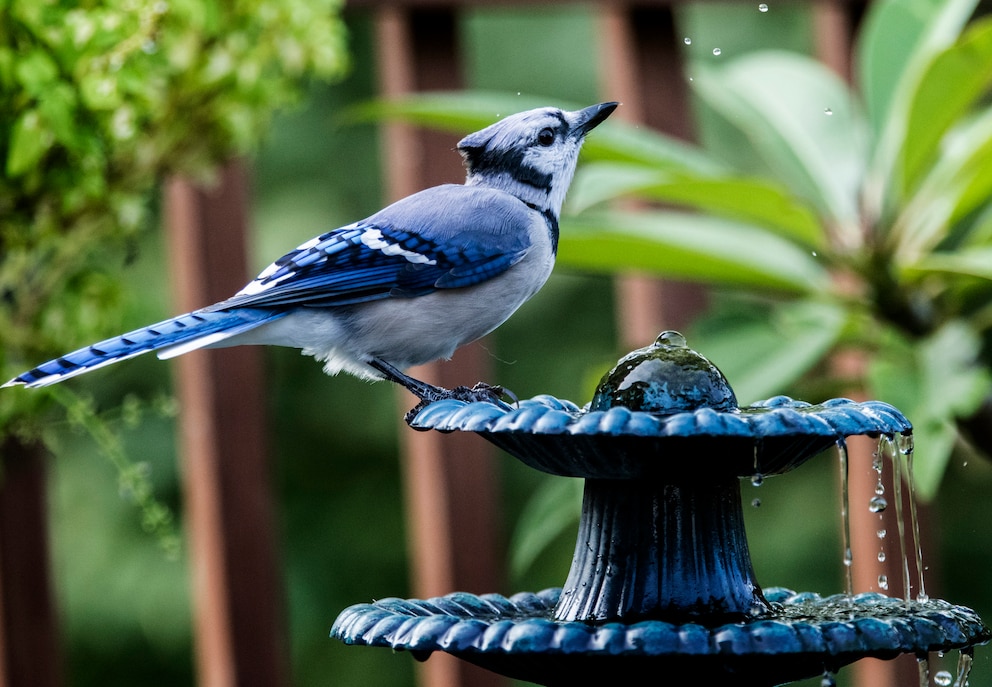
454, 111
948, 88
29, 141
757, 201
897, 36
550, 512
973, 262
58, 105
463, 112
802, 121
958, 184
766, 350
899, 40
693, 247
36, 71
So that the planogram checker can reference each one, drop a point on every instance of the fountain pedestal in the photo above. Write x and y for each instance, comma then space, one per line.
655, 550
661, 580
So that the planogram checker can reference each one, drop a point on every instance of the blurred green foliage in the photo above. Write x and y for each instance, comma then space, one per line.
98, 102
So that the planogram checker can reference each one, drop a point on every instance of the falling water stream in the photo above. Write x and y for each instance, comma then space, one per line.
898, 451
845, 514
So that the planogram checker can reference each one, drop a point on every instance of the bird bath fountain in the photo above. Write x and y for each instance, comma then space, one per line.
661, 581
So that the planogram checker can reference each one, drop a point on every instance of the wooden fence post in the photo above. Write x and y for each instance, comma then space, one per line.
29, 636
451, 481
237, 590
643, 69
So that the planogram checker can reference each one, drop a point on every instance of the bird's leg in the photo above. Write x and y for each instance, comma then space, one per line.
428, 393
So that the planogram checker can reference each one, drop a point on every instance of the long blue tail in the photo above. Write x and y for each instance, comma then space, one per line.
181, 334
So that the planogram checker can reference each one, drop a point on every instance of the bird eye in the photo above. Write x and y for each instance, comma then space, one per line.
546, 137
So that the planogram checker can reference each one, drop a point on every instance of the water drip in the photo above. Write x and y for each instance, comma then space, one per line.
885, 444
964, 667
923, 662
904, 444
899, 451
845, 514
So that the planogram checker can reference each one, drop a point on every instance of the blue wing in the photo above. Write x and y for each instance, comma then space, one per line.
447, 237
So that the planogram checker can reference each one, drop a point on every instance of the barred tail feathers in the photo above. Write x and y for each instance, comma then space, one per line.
172, 337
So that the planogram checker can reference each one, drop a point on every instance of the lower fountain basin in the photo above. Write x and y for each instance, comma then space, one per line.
802, 635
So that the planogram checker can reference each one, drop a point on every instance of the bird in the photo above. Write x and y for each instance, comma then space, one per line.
407, 285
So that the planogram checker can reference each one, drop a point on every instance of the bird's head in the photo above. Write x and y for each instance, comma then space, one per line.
531, 155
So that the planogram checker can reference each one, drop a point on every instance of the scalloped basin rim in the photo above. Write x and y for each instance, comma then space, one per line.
865, 624
779, 416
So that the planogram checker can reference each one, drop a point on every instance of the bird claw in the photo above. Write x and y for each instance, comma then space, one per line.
481, 392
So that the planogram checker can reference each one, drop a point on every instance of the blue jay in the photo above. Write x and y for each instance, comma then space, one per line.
410, 284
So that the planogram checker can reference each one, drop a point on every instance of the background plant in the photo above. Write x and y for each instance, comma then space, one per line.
98, 103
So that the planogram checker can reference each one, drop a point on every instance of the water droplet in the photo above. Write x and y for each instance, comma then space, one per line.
670, 338
687, 40
922, 597
877, 504
848, 557
881, 534
942, 678
883, 582
827, 111
762, 7
879, 489
717, 51
813, 253
828, 680
964, 464
756, 503
881, 556
757, 479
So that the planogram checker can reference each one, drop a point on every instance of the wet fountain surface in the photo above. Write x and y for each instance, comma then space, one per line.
662, 577
802, 636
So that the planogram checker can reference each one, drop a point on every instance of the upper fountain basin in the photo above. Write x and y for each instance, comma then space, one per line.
664, 410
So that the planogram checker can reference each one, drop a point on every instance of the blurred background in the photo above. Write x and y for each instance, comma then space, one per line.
123, 593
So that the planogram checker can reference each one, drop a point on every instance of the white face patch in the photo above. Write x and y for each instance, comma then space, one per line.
372, 238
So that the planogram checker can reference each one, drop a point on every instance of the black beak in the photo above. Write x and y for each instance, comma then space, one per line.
590, 117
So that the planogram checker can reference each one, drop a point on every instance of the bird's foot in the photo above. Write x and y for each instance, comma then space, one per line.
481, 392
428, 393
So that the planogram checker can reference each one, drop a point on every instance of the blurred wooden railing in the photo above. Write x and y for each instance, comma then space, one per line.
451, 481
